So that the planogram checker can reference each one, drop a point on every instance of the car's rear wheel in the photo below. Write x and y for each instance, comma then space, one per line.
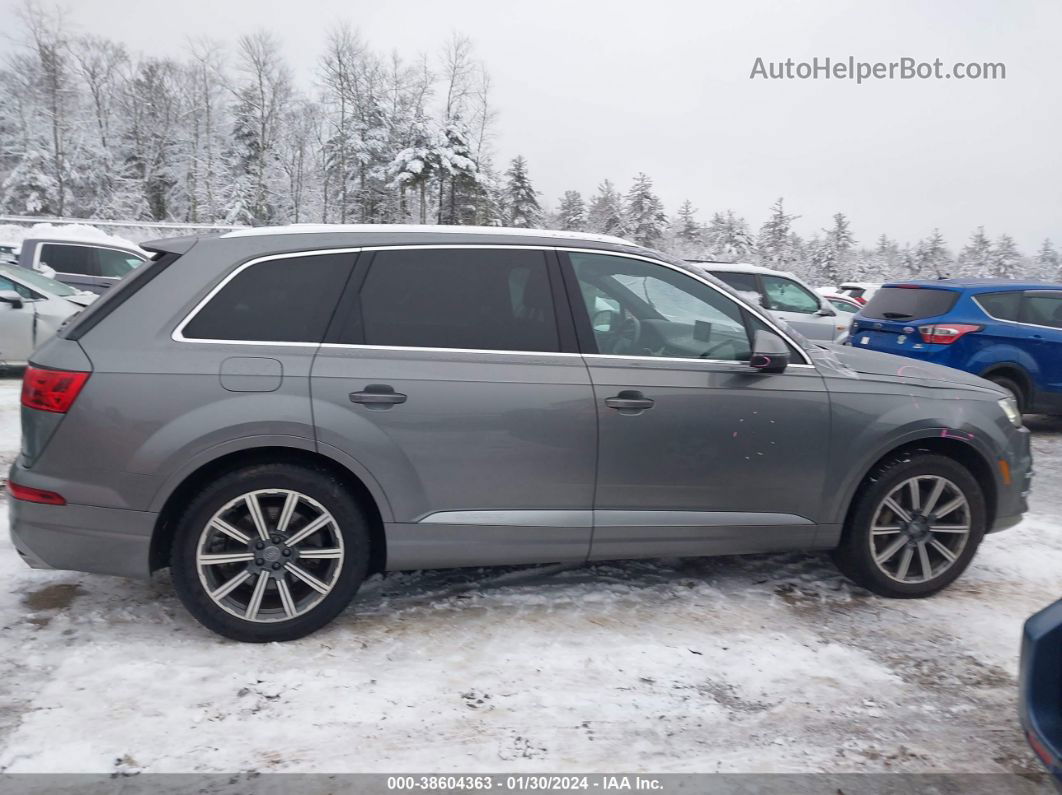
269, 553
914, 526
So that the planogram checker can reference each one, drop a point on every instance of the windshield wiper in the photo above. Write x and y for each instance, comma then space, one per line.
896, 315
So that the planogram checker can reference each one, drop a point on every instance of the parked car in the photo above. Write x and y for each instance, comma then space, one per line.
860, 292
91, 265
32, 308
846, 306
1040, 687
451, 396
786, 296
1008, 332
7, 253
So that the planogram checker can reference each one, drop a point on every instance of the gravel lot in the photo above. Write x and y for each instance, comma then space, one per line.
766, 663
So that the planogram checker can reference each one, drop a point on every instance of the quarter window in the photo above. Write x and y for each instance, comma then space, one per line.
637, 308
785, 295
289, 299
485, 299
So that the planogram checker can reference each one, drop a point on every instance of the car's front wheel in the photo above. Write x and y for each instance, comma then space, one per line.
271, 552
914, 526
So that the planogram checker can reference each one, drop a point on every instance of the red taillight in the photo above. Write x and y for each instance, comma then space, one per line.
34, 495
946, 333
51, 390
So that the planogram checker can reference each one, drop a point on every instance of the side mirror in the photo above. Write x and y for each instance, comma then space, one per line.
12, 298
770, 354
826, 311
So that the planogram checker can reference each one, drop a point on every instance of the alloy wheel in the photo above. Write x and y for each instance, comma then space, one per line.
920, 529
270, 555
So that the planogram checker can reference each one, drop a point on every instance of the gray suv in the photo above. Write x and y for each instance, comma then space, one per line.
276, 413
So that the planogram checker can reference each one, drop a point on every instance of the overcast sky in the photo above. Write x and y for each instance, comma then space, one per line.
587, 90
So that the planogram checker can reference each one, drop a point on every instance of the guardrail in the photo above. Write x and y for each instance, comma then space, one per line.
48, 219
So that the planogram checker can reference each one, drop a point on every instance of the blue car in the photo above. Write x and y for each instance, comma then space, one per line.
1006, 331
1040, 687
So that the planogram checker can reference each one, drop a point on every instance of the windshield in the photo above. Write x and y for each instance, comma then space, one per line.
38, 281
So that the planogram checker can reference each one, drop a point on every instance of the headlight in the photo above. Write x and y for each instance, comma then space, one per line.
1010, 408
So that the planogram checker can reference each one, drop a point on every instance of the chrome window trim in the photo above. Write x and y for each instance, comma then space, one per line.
178, 332
1022, 293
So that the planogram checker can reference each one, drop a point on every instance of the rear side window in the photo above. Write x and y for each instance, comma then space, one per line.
459, 298
69, 259
909, 303
288, 299
1003, 306
741, 282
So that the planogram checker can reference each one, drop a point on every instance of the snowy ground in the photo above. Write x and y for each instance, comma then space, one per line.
770, 663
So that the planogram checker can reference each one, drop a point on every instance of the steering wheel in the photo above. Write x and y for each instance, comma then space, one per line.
626, 335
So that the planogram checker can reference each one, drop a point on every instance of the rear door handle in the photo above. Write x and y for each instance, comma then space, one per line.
629, 401
378, 396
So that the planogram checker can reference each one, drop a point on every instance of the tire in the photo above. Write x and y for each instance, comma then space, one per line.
260, 572
860, 552
1013, 387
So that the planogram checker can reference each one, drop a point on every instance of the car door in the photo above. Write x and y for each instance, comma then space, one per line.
16, 326
800, 308
1041, 312
452, 380
697, 452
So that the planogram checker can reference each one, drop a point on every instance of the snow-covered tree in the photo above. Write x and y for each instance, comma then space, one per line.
774, 247
1047, 260
520, 197
1006, 259
605, 215
728, 239
975, 259
571, 213
645, 218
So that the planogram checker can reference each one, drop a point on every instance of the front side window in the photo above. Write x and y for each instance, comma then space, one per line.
68, 258
116, 263
638, 308
288, 299
1042, 309
477, 299
785, 295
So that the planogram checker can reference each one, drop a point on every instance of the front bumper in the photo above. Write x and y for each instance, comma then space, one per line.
1014, 496
82, 537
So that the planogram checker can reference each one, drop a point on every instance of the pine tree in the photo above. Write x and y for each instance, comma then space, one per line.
521, 199
975, 259
645, 216
571, 215
831, 260
605, 215
931, 257
1006, 259
1047, 260
728, 238
687, 228
774, 247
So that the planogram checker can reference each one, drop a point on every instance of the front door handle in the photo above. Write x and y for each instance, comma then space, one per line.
378, 396
629, 401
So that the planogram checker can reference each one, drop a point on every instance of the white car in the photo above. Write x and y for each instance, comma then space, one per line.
32, 308
785, 295
860, 292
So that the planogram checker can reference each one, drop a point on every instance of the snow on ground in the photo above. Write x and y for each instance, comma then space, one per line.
765, 663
